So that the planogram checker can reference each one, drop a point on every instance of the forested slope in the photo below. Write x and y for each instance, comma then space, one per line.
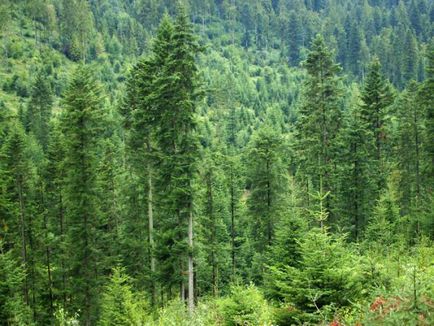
216, 162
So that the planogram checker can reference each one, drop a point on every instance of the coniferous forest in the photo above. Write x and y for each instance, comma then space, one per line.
216, 162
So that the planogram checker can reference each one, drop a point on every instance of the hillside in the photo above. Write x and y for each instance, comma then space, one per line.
216, 162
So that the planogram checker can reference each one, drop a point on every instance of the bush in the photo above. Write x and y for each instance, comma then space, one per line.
245, 306
173, 314
328, 278
119, 305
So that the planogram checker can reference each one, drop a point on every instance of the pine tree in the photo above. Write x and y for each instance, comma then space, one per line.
81, 126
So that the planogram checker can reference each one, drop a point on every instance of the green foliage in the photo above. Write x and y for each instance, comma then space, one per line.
386, 225
173, 314
245, 306
213, 219
80, 124
213, 159
267, 180
13, 310
119, 305
406, 298
327, 277
319, 121
38, 113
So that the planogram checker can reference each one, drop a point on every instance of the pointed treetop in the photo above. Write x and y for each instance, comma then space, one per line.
320, 61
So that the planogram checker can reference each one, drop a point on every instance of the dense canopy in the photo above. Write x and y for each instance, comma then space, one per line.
216, 162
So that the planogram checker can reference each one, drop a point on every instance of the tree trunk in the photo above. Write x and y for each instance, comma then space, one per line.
23, 241
151, 233
232, 225
190, 263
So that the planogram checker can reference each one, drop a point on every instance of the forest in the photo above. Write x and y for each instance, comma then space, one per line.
216, 162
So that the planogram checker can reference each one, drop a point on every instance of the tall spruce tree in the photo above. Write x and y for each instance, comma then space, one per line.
18, 218
356, 177
426, 96
212, 229
55, 201
39, 110
376, 98
235, 184
80, 124
140, 122
175, 92
411, 125
266, 178
319, 121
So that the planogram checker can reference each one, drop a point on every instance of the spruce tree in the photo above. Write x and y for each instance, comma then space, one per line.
119, 305
55, 201
176, 85
212, 230
319, 121
13, 310
235, 185
266, 178
39, 110
80, 125
140, 121
356, 177
17, 176
411, 125
376, 98
295, 38
426, 96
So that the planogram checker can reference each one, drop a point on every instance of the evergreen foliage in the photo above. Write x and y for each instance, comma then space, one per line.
216, 162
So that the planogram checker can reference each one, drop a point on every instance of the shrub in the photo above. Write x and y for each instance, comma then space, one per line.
173, 314
328, 278
245, 306
119, 305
